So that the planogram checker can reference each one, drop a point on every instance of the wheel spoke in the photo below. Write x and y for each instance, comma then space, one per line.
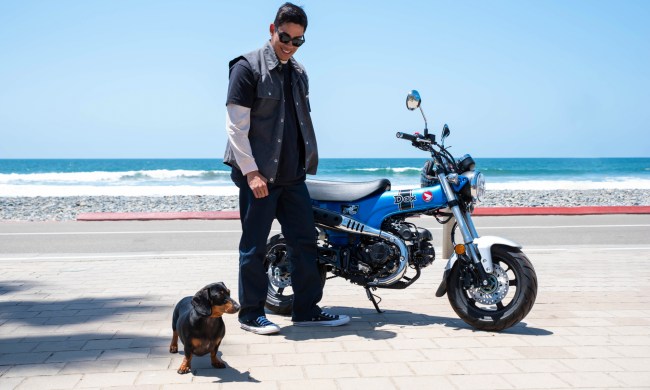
500, 305
512, 282
279, 292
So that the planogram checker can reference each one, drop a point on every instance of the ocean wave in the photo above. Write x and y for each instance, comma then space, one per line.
620, 184
118, 190
108, 178
388, 171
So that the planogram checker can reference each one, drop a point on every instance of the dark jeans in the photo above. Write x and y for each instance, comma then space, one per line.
291, 205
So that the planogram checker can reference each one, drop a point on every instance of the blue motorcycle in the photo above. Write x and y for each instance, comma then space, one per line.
363, 237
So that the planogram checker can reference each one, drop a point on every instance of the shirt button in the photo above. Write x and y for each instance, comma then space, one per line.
271, 180
276, 160
297, 104
306, 142
282, 120
269, 93
301, 123
279, 140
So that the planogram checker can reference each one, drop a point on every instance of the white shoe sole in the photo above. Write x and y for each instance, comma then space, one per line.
343, 319
256, 330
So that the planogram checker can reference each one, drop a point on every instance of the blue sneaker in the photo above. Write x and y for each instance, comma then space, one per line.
260, 325
325, 319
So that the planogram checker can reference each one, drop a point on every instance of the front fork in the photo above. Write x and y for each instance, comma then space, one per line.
468, 231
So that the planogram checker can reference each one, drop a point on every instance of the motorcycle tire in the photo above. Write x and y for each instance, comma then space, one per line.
278, 269
496, 316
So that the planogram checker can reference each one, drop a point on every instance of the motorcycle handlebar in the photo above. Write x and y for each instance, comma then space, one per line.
406, 136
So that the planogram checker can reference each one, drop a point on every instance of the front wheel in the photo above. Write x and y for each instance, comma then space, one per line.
506, 300
279, 296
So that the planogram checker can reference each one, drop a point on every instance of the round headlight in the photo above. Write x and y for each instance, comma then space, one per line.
477, 184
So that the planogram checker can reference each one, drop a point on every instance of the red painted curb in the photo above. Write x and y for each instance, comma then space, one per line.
480, 211
580, 210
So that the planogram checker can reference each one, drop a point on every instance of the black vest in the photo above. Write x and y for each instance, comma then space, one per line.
267, 113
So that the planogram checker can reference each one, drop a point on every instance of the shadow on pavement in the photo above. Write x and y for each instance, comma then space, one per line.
368, 323
70, 312
7, 287
201, 367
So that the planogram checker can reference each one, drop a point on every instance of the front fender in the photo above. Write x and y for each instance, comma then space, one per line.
484, 245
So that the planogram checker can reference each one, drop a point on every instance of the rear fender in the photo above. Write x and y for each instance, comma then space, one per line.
484, 245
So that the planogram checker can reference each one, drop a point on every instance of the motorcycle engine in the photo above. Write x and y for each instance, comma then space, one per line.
378, 253
375, 257
418, 240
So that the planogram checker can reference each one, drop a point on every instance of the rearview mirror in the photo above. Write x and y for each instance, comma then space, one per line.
445, 132
413, 100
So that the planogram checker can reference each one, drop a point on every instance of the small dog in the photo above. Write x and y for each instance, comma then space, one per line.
197, 320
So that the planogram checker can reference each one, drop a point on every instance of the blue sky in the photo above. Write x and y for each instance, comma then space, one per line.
148, 79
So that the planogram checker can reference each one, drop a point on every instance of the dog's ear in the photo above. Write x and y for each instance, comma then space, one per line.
201, 303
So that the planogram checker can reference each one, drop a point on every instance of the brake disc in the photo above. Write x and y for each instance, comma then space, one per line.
495, 291
279, 274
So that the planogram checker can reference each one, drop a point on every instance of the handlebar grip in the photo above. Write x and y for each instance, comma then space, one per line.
406, 136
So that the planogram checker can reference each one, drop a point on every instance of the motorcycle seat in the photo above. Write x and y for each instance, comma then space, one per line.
342, 191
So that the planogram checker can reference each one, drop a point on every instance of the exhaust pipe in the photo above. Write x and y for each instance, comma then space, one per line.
331, 220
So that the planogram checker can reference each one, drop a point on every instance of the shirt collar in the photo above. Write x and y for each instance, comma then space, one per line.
272, 60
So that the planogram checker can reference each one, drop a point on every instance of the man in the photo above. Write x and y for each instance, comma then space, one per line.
271, 147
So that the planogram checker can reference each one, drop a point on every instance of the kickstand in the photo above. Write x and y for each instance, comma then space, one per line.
372, 297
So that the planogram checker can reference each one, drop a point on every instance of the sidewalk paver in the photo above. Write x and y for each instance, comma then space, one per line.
106, 323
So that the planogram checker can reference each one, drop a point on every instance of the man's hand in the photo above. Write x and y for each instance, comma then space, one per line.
257, 184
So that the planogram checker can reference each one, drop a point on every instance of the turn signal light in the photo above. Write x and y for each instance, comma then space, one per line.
459, 249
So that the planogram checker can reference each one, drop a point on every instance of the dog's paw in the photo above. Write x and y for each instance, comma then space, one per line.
219, 364
173, 349
184, 370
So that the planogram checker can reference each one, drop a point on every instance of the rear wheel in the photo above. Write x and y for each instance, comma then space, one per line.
279, 297
505, 301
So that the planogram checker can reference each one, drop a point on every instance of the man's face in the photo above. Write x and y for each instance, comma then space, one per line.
284, 51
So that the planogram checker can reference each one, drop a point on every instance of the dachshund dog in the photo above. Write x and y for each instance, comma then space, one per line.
197, 320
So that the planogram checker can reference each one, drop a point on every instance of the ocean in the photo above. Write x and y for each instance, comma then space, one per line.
62, 177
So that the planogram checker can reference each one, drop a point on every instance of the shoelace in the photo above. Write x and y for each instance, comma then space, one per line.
327, 315
263, 321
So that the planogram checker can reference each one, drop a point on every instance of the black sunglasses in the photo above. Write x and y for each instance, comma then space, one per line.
286, 38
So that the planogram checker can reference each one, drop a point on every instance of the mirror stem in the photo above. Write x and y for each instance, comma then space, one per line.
426, 126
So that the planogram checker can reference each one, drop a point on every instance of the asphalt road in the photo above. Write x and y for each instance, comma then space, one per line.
42, 239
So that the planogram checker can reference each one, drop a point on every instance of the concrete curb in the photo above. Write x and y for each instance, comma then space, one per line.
211, 215
481, 211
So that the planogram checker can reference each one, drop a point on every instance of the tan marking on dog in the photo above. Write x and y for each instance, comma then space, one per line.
186, 365
173, 347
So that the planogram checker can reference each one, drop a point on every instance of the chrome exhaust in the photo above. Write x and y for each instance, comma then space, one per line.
331, 220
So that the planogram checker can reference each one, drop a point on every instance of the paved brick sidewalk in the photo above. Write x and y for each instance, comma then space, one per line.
104, 322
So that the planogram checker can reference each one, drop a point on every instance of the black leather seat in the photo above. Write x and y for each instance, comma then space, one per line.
341, 191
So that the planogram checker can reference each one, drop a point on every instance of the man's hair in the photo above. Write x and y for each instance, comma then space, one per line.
291, 13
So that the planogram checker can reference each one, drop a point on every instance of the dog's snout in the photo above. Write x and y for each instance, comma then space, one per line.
233, 306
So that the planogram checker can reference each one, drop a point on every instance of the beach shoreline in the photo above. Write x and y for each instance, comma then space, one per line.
66, 208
